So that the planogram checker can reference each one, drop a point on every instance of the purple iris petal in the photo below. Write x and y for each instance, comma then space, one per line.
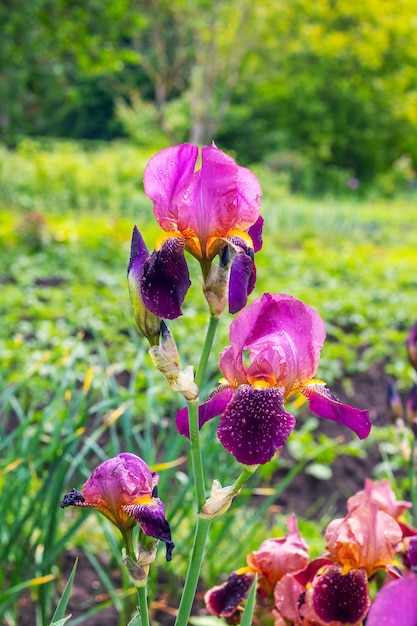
395, 604
166, 178
206, 411
324, 404
249, 193
166, 279
255, 424
138, 253
225, 599
343, 598
147, 322
255, 233
151, 518
292, 328
412, 553
242, 279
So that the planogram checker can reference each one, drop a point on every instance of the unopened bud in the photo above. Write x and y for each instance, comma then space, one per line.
411, 409
216, 285
147, 322
394, 404
219, 501
166, 359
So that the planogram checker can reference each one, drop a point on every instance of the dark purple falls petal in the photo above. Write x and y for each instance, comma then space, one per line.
73, 498
324, 404
341, 597
242, 278
255, 424
151, 519
225, 599
255, 233
166, 279
214, 406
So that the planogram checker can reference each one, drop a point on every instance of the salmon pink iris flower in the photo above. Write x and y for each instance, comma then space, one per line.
124, 490
273, 355
201, 211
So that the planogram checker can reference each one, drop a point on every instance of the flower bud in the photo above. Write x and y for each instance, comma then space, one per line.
411, 409
216, 285
148, 323
166, 359
219, 501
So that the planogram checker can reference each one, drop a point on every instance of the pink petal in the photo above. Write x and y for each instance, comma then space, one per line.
292, 329
279, 556
217, 210
166, 178
249, 193
365, 538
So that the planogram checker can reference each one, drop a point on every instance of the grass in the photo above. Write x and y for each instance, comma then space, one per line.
76, 384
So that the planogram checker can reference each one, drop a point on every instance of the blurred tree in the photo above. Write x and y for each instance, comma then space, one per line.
334, 80
48, 47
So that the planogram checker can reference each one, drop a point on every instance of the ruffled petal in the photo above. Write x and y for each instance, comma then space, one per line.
255, 424
249, 194
276, 557
395, 604
242, 279
224, 600
339, 598
151, 519
166, 178
165, 280
365, 538
255, 233
218, 209
324, 404
291, 328
214, 406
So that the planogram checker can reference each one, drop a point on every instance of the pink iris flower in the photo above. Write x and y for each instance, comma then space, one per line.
275, 558
124, 490
273, 355
208, 212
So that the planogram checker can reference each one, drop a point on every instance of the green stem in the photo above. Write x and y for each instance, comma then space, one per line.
203, 525
193, 574
211, 331
197, 461
198, 469
243, 477
143, 605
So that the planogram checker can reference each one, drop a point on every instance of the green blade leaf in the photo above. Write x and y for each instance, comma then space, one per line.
250, 605
58, 617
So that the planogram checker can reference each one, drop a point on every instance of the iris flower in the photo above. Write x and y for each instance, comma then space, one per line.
275, 558
273, 355
203, 212
124, 490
